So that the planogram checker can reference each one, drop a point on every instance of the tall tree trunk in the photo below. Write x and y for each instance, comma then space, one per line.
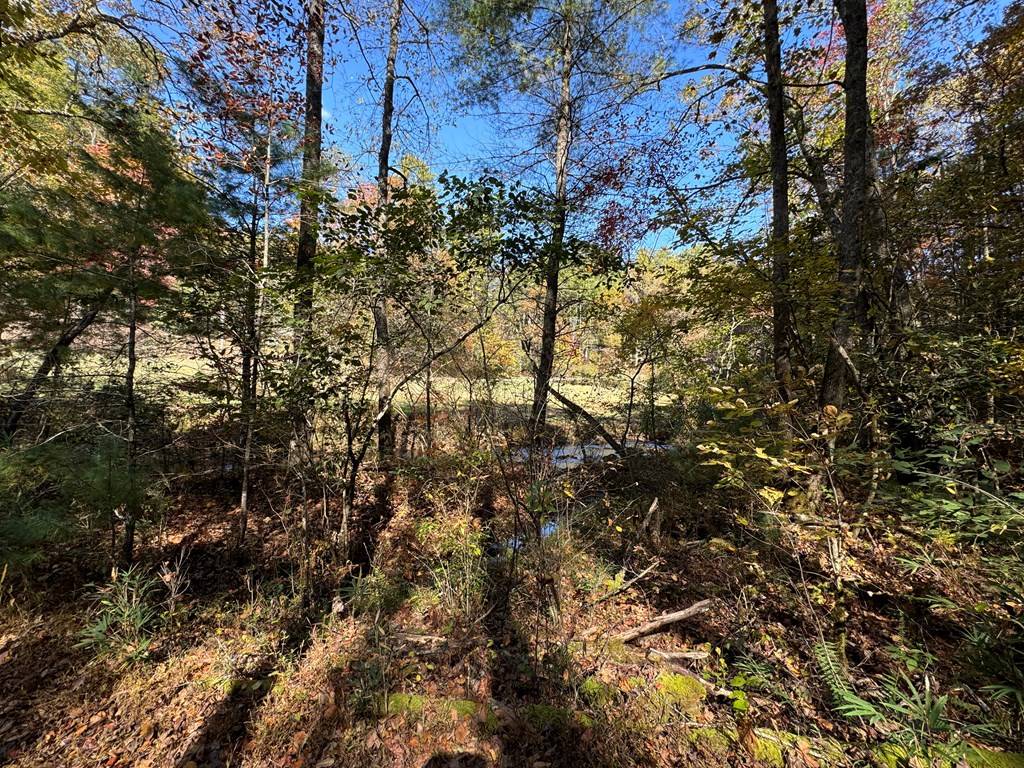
385, 424
305, 259
563, 141
132, 508
782, 330
21, 402
855, 169
309, 209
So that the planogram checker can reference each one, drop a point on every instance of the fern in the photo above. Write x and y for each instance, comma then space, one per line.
831, 658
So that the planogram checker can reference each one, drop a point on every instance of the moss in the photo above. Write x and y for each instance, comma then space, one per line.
596, 692
828, 751
888, 756
618, 651
980, 757
474, 710
635, 681
768, 750
896, 756
545, 716
404, 703
414, 704
463, 707
715, 741
680, 692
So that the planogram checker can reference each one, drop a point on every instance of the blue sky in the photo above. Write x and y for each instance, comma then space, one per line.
448, 136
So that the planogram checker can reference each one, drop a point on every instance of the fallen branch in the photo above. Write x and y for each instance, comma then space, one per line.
628, 584
411, 637
663, 621
670, 656
583, 413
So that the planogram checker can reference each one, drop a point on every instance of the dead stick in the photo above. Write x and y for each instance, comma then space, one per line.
628, 584
663, 621
654, 653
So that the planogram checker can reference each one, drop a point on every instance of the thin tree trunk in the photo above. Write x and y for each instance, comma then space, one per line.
247, 379
385, 425
257, 279
563, 141
855, 167
132, 508
429, 425
779, 245
815, 172
21, 403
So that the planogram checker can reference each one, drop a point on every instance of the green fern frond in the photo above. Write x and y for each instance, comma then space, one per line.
831, 658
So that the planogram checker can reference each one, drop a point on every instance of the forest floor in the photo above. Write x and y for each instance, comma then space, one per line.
486, 634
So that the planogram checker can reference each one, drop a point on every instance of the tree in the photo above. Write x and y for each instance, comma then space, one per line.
782, 328
576, 67
240, 111
385, 423
838, 364
309, 193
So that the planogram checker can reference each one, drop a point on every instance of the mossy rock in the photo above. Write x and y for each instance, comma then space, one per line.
680, 692
596, 692
980, 757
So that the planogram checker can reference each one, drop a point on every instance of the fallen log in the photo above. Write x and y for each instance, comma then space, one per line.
665, 620
653, 653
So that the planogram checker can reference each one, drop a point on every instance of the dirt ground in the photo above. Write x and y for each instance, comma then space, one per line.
481, 636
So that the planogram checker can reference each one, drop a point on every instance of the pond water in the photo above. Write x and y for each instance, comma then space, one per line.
549, 528
570, 456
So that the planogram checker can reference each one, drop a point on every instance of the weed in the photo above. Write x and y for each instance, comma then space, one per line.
124, 616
